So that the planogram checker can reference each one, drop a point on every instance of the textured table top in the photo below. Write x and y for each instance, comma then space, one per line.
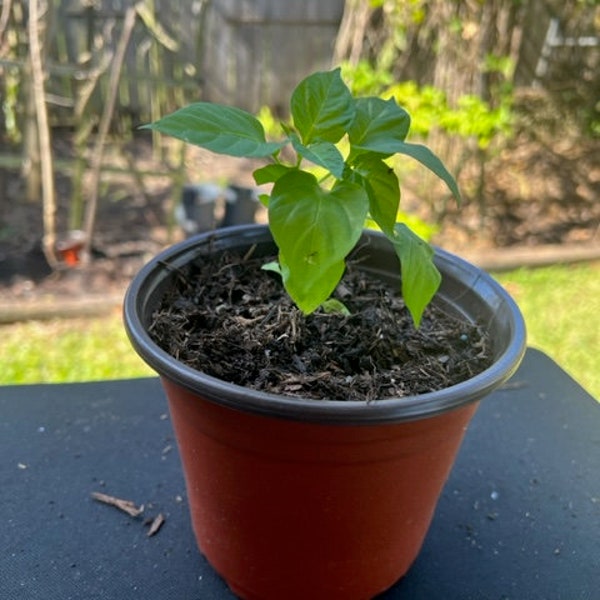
519, 517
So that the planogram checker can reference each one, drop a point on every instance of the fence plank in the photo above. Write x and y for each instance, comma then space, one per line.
254, 53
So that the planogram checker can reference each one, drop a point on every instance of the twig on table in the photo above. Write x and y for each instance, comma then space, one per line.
156, 524
125, 505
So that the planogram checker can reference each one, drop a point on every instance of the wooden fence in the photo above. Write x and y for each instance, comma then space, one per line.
159, 72
248, 53
243, 52
255, 52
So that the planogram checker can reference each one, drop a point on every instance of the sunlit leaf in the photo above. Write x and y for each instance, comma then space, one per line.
383, 188
323, 154
377, 124
272, 266
420, 277
335, 306
270, 173
322, 107
427, 158
314, 230
218, 128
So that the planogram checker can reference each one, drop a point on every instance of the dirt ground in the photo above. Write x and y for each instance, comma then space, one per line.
534, 194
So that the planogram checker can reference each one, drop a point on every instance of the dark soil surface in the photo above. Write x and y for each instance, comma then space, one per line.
232, 320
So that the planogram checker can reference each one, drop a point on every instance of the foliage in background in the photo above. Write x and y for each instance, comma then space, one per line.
466, 131
571, 79
86, 67
467, 63
479, 47
469, 117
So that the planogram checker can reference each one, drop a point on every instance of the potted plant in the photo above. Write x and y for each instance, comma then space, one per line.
291, 496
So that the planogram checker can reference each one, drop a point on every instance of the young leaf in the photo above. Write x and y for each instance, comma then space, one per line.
219, 128
324, 154
270, 173
322, 107
427, 158
334, 306
383, 188
423, 154
309, 290
420, 277
272, 266
377, 123
314, 230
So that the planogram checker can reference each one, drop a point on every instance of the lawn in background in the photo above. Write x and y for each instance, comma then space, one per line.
61, 350
561, 305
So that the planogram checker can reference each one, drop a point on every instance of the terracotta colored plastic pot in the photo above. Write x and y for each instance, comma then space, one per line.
70, 247
298, 499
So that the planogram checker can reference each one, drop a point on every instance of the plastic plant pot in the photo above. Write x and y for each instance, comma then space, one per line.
241, 204
196, 211
296, 498
70, 247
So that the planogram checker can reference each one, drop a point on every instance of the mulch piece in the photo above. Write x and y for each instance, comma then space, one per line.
125, 505
132, 509
155, 524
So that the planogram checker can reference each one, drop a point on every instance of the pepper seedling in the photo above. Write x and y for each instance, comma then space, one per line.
317, 222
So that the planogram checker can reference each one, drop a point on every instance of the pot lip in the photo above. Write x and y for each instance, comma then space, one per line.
388, 410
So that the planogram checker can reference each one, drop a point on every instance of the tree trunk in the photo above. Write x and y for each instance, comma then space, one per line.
38, 74
30, 166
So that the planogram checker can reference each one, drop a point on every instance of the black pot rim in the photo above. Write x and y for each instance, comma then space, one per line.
388, 410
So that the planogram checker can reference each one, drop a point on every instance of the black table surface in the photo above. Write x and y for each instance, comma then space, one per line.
519, 517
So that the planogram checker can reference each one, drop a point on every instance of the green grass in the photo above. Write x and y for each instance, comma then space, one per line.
68, 350
561, 305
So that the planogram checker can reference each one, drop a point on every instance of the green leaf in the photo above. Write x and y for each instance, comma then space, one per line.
322, 107
270, 173
272, 266
417, 151
420, 277
335, 306
314, 230
309, 292
324, 154
427, 158
383, 189
377, 124
218, 128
